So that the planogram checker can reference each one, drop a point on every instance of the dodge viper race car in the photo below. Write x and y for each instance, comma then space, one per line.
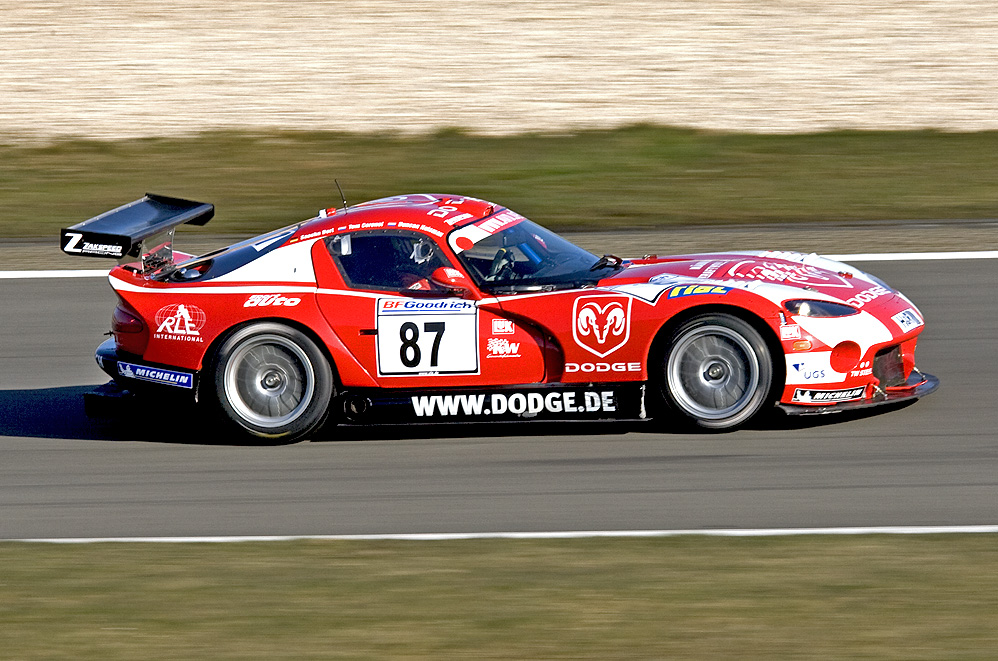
436, 308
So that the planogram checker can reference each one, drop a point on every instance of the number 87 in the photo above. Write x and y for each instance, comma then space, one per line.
409, 352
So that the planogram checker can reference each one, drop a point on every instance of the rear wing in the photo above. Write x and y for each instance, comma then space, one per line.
140, 229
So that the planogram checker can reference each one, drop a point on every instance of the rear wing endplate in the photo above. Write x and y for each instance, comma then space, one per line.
123, 232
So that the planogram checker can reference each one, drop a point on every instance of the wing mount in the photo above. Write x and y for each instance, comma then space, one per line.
141, 229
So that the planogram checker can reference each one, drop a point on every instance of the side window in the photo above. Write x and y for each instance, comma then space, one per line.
392, 260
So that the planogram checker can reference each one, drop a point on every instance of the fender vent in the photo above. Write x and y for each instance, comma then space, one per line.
888, 367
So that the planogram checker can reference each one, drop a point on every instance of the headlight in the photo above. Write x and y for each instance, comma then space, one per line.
808, 308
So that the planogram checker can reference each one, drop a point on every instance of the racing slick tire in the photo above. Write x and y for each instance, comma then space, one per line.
717, 371
272, 382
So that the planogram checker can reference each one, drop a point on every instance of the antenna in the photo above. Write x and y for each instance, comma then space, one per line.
342, 196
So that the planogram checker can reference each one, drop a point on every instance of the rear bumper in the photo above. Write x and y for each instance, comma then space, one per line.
131, 371
917, 385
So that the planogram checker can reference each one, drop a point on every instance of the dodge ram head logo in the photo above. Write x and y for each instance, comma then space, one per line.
602, 323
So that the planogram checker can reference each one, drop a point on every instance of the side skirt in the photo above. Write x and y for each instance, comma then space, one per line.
593, 401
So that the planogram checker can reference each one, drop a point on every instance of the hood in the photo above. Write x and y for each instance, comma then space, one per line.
775, 275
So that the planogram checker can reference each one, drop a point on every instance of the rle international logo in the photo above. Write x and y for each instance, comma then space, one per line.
180, 321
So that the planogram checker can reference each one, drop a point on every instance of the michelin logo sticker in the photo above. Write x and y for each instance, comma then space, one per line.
156, 375
827, 396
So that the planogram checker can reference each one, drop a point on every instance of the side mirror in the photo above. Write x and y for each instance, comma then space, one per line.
453, 280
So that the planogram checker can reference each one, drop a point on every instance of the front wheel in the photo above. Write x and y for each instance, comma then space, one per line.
717, 371
272, 382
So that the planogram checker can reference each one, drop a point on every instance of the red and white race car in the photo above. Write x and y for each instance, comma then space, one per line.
436, 308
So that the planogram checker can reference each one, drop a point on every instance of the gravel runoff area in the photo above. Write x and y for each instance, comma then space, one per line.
843, 238
119, 69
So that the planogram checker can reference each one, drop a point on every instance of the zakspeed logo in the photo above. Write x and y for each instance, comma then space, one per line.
74, 239
166, 377
525, 404
180, 322
867, 295
264, 300
696, 290
602, 323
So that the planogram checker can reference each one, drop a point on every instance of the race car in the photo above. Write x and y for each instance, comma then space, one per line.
442, 308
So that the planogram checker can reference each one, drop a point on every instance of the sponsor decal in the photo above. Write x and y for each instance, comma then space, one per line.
867, 295
466, 237
863, 369
75, 243
907, 320
790, 332
437, 336
179, 321
808, 372
525, 404
696, 290
265, 300
799, 274
827, 396
706, 268
602, 323
500, 347
156, 375
503, 327
590, 368
408, 305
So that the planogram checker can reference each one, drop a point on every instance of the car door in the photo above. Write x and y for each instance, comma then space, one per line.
406, 330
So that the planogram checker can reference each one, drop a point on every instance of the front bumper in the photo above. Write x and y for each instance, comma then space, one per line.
132, 372
917, 385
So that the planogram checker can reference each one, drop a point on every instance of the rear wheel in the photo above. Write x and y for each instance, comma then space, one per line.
272, 382
717, 371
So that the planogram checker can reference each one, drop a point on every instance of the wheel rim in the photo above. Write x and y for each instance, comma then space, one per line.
713, 372
269, 381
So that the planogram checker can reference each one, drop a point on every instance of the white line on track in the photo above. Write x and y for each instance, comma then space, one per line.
914, 256
858, 257
23, 275
582, 534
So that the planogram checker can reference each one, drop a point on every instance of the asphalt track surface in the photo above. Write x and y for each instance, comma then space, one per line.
154, 473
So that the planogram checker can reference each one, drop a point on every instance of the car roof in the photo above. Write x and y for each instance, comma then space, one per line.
433, 214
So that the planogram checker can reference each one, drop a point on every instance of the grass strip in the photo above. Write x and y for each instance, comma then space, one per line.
877, 596
640, 176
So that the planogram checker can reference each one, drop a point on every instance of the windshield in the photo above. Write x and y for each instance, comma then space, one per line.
523, 256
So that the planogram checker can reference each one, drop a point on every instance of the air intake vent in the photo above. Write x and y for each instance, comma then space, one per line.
887, 367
